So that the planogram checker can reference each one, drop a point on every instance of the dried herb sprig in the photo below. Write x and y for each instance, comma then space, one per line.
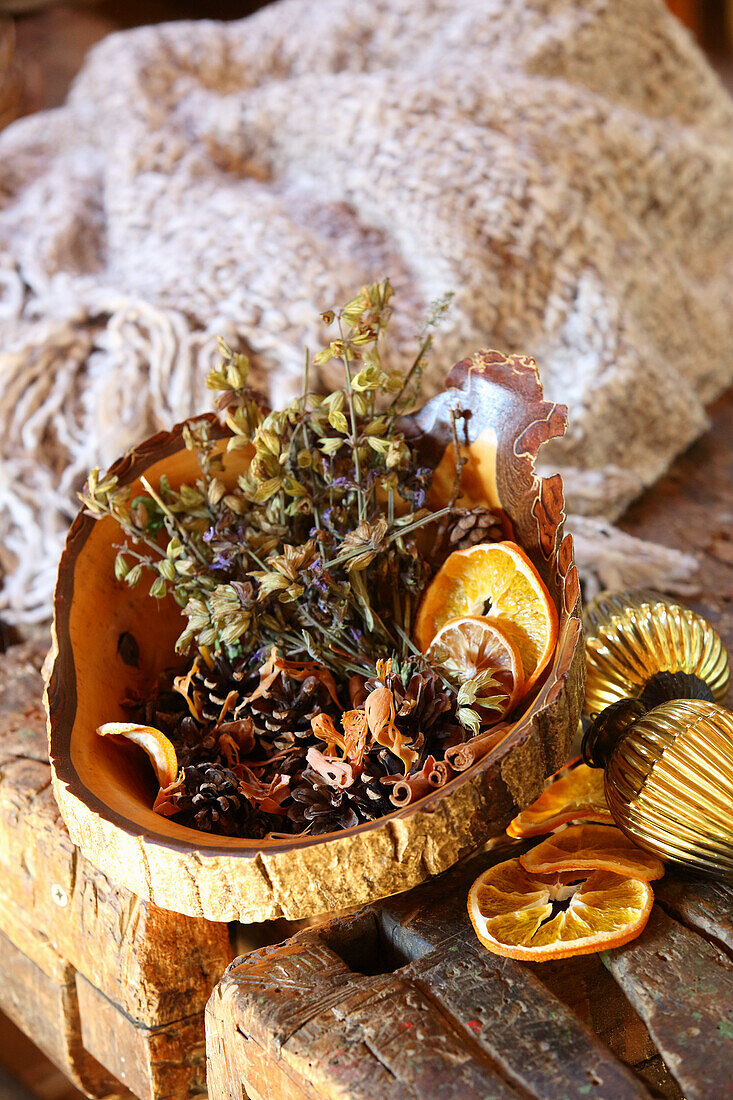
288, 554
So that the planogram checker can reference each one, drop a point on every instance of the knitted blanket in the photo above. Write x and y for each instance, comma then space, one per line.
564, 166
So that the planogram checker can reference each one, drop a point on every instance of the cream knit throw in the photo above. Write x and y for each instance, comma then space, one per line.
564, 166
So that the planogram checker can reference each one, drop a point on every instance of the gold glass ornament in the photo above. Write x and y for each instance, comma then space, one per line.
669, 777
631, 636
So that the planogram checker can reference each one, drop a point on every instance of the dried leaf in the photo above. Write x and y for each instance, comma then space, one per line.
296, 670
165, 803
324, 728
380, 712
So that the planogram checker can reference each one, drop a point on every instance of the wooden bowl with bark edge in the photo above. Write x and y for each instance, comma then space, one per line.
105, 797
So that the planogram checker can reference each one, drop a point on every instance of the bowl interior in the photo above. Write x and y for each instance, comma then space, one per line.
117, 641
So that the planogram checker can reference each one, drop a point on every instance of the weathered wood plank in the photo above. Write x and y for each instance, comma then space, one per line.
163, 1063
277, 988
588, 989
44, 1006
535, 1038
82, 1031
701, 903
336, 1032
135, 978
682, 987
401, 1000
229, 1062
529, 1031
157, 965
391, 1038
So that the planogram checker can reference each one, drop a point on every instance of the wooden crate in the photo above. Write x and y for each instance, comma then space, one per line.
110, 988
401, 1001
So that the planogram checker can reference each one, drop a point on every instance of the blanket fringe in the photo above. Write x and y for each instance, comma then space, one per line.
78, 391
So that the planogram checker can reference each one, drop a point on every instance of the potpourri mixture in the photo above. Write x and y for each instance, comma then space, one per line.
349, 645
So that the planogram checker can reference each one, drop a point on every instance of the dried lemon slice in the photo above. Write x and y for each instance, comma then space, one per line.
538, 918
496, 580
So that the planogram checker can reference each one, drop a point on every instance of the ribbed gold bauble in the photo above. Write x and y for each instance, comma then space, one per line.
630, 636
669, 778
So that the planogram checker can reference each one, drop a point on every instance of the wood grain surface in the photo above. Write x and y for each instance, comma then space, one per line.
682, 987
401, 1000
112, 989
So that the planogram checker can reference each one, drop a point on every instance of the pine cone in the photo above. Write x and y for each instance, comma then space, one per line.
212, 686
194, 745
475, 525
424, 704
323, 808
320, 807
425, 707
368, 796
210, 800
287, 708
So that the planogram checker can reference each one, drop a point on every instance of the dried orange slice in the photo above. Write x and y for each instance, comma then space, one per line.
496, 580
159, 749
592, 847
527, 917
465, 648
576, 795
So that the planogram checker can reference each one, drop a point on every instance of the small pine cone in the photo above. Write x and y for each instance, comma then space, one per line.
287, 708
210, 800
475, 525
421, 707
212, 686
193, 744
369, 797
319, 807
324, 809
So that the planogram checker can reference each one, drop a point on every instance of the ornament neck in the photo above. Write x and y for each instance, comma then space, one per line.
608, 728
663, 686
613, 723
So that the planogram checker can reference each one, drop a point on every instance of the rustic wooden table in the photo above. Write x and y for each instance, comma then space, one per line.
401, 1001
113, 990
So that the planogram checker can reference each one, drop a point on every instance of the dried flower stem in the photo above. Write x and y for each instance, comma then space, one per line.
457, 479
425, 346
182, 532
352, 417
